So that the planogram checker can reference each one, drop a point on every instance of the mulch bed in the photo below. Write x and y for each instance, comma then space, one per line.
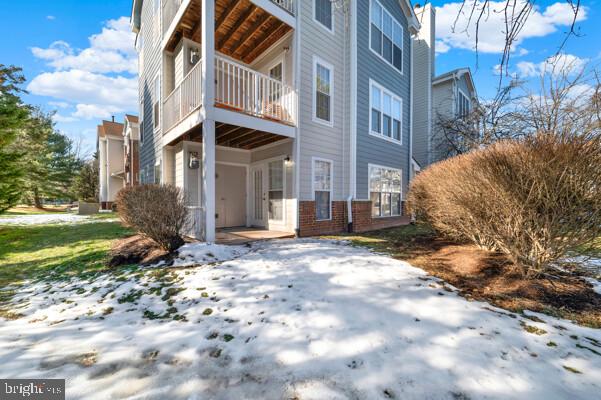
136, 249
485, 276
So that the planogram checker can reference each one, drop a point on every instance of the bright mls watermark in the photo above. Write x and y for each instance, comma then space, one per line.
33, 389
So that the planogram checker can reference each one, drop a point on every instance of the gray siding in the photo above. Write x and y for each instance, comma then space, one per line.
442, 102
423, 72
371, 149
318, 140
151, 147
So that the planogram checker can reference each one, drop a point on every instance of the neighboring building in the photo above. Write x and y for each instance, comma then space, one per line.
117, 146
131, 148
278, 113
436, 98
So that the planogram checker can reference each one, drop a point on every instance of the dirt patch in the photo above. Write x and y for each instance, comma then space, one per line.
136, 249
486, 276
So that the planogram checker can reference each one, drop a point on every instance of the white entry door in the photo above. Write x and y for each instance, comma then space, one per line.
259, 203
268, 188
230, 196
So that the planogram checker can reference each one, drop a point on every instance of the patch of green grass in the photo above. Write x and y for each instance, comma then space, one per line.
54, 252
571, 369
392, 241
533, 329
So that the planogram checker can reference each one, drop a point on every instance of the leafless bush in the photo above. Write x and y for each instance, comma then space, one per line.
534, 199
156, 211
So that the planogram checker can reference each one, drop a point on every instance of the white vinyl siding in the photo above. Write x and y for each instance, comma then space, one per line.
156, 13
322, 91
386, 35
323, 13
276, 190
385, 191
322, 188
386, 113
156, 102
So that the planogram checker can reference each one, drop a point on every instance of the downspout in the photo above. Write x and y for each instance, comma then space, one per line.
353, 116
410, 113
297, 161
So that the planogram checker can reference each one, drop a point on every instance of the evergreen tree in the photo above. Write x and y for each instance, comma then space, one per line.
14, 115
86, 183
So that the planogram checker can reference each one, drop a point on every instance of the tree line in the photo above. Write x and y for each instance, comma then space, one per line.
37, 162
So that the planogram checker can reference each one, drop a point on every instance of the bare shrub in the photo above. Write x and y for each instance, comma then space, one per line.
156, 211
533, 199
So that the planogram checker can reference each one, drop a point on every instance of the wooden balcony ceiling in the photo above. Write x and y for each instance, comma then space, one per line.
243, 138
233, 136
244, 31
188, 27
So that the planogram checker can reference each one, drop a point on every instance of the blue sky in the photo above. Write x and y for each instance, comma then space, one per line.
79, 59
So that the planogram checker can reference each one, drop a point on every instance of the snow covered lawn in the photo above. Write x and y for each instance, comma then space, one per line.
296, 319
40, 219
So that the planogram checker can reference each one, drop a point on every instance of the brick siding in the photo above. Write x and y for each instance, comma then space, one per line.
362, 219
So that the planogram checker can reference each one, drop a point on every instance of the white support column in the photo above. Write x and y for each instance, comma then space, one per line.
208, 127
208, 57
208, 178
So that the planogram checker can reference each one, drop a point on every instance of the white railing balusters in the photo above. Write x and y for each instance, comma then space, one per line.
252, 92
185, 99
287, 5
237, 87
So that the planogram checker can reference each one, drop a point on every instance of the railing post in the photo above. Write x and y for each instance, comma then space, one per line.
256, 90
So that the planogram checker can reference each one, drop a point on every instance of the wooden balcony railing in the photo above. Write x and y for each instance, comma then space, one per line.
184, 100
242, 89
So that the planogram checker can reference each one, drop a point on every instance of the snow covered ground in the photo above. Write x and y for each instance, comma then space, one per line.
40, 219
295, 319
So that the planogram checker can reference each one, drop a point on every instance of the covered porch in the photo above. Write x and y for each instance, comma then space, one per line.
253, 175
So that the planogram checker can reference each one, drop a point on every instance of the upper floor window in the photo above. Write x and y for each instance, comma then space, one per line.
323, 13
386, 113
386, 35
156, 101
463, 104
385, 191
322, 188
322, 88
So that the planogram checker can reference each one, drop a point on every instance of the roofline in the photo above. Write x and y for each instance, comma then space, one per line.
135, 19
407, 8
456, 74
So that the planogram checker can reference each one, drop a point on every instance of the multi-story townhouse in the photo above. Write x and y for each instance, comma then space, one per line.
118, 159
437, 99
288, 115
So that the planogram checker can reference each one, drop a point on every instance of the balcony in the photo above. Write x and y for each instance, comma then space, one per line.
237, 88
224, 9
184, 99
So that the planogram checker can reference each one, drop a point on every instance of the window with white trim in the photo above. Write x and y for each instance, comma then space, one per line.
463, 104
386, 35
322, 188
276, 190
385, 191
386, 113
323, 92
156, 101
323, 13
